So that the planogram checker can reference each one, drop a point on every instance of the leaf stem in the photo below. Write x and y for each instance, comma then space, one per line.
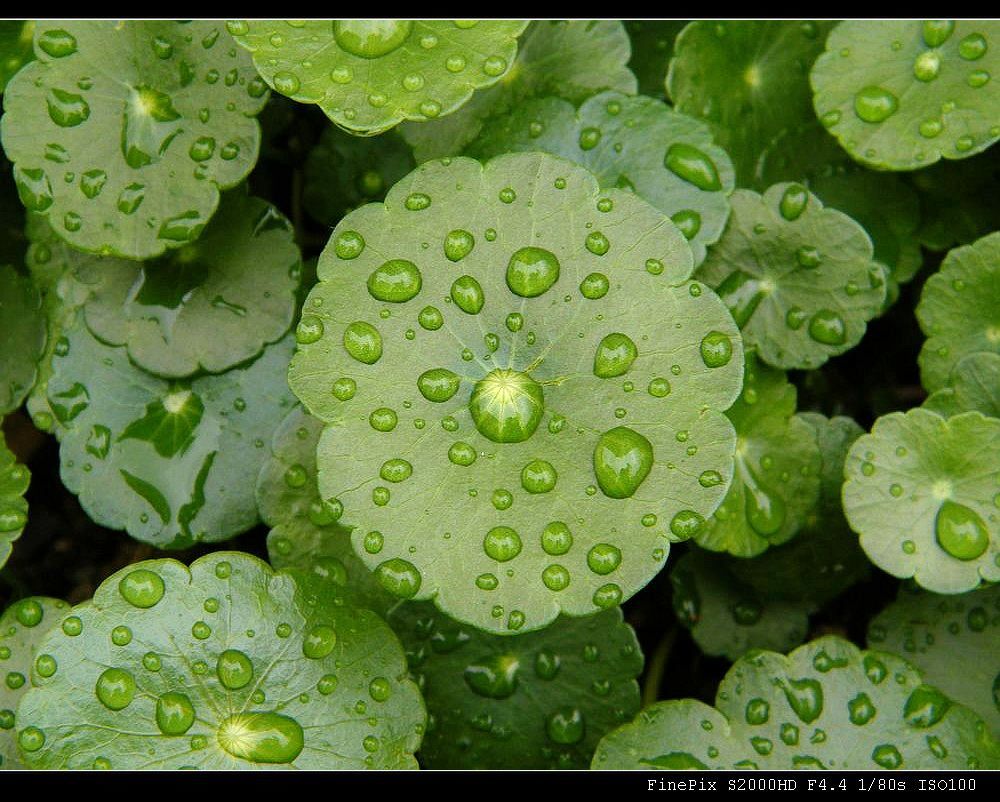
657, 664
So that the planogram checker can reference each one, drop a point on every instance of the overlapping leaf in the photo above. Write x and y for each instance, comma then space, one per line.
369, 75
124, 133
799, 278
953, 641
523, 281
227, 665
777, 481
15, 47
748, 80
635, 143
828, 705
568, 59
958, 309
652, 47
173, 463
922, 492
974, 386
901, 94
534, 701
14, 479
22, 627
22, 337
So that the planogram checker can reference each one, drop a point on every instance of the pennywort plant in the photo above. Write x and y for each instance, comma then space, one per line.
499, 394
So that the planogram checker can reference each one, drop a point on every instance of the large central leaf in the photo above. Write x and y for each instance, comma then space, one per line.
228, 665
124, 132
522, 389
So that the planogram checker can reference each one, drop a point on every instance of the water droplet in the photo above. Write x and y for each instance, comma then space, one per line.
31, 739
115, 688
604, 558
417, 201
597, 243
396, 281
555, 577
349, 245
937, 31
461, 453
805, 696
507, 406
925, 707
538, 476
566, 726
828, 327
960, 531
399, 577
319, 642
396, 470
758, 712
309, 330
67, 109
174, 713
142, 588
623, 459
887, 756
363, 342
614, 356
494, 677
29, 613
261, 737
556, 538
234, 669
716, 349
972, 47
502, 543
121, 635
873, 104
692, 165
57, 43
458, 244
468, 295
430, 318
765, 509
532, 271
927, 65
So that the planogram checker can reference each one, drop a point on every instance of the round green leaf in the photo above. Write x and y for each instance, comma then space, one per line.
883, 203
14, 480
953, 641
569, 59
975, 386
207, 306
958, 309
828, 705
777, 481
922, 492
900, 94
798, 278
536, 701
726, 618
306, 533
227, 665
748, 80
22, 337
516, 389
635, 143
22, 627
369, 75
344, 172
958, 200
173, 463
15, 47
124, 133
824, 558
652, 47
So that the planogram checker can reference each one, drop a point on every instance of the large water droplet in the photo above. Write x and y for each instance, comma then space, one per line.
396, 281
438, 384
716, 349
507, 406
623, 459
363, 342
174, 713
742, 294
566, 726
467, 293
765, 509
614, 356
141, 588
532, 271
234, 669
927, 65
960, 531
67, 109
805, 696
873, 104
262, 737
502, 544
400, 577
925, 707
693, 166
115, 688
793, 202
458, 244
494, 677
538, 476
371, 38
828, 327
319, 642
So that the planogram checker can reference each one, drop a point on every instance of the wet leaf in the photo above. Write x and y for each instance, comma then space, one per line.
14, 480
22, 337
496, 389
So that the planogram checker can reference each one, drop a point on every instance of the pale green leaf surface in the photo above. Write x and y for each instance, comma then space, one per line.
635, 143
205, 307
922, 493
974, 386
22, 337
541, 700
226, 665
799, 278
959, 311
748, 80
305, 531
369, 75
824, 558
124, 133
778, 462
22, 627
173, 463
827, 705
424, 525
901, 94
571, 59
14, 480
727, 618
